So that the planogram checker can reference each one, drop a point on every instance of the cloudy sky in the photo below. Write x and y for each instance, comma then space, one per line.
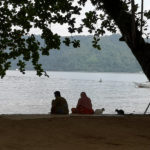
62, 30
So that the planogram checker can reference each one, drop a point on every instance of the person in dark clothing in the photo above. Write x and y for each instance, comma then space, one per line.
59, 104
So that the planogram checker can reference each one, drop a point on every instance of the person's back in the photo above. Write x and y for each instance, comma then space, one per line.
84, 105
59, 105
84, 102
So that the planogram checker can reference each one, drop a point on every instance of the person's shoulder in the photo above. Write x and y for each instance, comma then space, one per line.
89, 98
63, 98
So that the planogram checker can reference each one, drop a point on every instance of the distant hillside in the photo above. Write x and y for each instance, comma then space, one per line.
115, 56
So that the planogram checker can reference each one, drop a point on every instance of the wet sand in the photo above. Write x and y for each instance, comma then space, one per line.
45, 132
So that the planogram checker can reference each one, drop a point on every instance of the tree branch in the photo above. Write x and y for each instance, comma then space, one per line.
124, 20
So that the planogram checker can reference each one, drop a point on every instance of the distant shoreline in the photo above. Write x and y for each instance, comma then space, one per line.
80, 71
46, 116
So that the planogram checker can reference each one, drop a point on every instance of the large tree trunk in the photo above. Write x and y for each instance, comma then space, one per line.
124, 20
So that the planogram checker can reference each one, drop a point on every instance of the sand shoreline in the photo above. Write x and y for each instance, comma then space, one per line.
53, 132
36, 116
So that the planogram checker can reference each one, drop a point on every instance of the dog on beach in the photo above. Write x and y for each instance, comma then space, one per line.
99, 111
119, 111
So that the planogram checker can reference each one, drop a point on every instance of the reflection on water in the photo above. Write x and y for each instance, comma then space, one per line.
31, 94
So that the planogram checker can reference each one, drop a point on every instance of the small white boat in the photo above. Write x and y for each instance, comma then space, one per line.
143, 85
100, 80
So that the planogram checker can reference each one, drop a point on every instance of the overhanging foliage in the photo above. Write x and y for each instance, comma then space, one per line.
19, 17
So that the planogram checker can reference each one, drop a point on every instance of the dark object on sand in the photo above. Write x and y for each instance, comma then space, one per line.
119, 111
146, 109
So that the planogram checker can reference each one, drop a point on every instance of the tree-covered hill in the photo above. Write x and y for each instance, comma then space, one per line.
115, 56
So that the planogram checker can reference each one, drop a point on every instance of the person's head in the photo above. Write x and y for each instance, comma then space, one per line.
57, 94
83, 94
103, 109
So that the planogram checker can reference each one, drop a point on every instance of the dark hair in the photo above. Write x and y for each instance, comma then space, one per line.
57, 93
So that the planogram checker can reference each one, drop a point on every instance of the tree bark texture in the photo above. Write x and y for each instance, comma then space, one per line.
124, 21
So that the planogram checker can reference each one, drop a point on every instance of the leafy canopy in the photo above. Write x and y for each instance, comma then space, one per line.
18, 17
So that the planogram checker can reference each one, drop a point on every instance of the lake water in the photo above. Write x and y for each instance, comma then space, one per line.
26, 94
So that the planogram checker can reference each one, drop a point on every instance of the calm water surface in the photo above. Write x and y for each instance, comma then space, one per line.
31, 94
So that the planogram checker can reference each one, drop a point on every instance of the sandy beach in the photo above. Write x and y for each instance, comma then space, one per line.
45, 132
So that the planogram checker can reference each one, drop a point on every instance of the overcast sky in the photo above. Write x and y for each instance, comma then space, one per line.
62, 30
